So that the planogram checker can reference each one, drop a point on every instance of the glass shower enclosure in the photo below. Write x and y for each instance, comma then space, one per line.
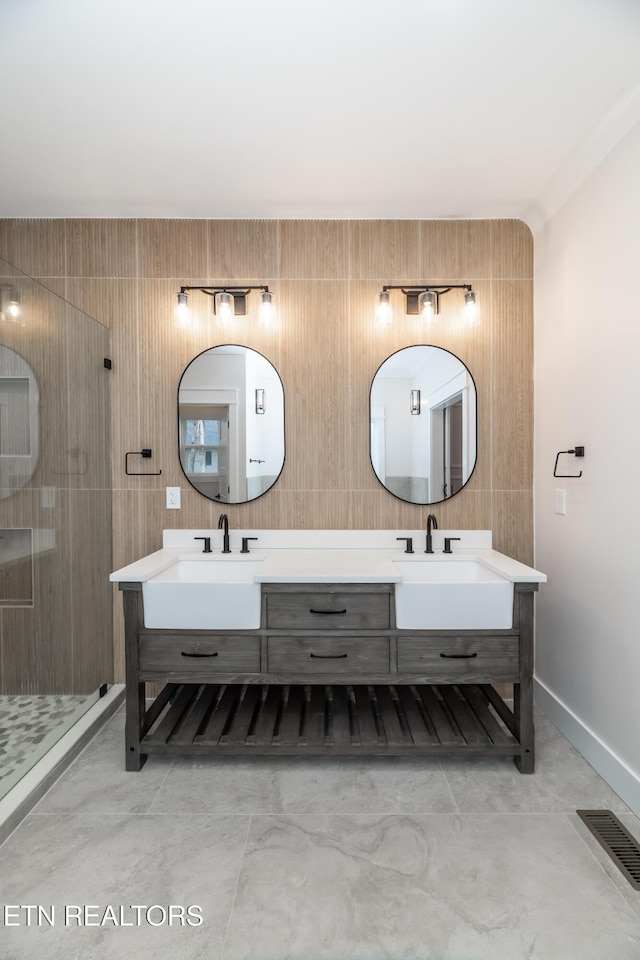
56, 648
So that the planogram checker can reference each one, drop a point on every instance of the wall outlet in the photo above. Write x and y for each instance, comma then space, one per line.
48, 497
561, 501
173, 498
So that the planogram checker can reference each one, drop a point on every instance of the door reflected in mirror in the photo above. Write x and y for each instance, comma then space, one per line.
423, 424
231, 424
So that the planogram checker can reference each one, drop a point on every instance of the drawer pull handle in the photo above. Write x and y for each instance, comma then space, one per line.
183, 654
328, 613
329, 656
458, 656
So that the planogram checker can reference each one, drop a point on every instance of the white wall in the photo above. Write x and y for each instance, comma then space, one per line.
264, 432
393, 393
587, 370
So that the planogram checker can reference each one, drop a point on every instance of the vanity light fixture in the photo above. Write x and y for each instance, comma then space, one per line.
414, 403
10, 305
471, 312
429, 306
182, 314
267, 311
224, 307
384, 313
261, 400
228, 302
424, 300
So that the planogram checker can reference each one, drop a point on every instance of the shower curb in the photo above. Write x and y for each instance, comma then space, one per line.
23, 797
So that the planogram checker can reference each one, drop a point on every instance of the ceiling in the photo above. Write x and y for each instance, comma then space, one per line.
310, 108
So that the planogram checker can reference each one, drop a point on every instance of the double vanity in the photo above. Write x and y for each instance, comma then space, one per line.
328, 642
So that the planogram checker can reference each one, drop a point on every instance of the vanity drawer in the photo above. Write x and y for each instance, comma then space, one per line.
460, 659
185, 657
328, 611
315, 655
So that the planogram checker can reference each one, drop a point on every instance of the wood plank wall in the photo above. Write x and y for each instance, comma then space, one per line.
325, 276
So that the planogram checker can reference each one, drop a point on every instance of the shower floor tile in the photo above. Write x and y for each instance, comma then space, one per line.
29, 726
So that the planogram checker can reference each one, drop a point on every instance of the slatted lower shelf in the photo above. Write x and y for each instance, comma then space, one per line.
331, 719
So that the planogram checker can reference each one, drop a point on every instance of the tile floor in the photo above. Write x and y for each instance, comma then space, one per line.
319, 860
29, 726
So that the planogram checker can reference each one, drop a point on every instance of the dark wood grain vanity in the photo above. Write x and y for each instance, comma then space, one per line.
328, 673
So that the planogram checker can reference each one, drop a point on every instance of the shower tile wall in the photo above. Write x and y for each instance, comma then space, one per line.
60, 643
325, 276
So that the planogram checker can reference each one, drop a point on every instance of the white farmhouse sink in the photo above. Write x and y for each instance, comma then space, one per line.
208, 593
452, 595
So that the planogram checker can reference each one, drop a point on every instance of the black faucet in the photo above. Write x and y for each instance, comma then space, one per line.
432, 524
207, 544
409, 542
223, 522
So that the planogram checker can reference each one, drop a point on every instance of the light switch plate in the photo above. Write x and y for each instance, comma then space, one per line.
561, 501
173, 498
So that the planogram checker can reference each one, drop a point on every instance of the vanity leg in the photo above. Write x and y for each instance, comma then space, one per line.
523, 691
134, 725
135, 694
523, 712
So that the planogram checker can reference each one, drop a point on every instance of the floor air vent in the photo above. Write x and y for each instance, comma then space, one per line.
616, 840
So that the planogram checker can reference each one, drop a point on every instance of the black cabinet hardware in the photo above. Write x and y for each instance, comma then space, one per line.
327, 613
329, 656
184, 654
458, 656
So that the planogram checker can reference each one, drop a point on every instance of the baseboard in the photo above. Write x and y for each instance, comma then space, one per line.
22, 798
611, 768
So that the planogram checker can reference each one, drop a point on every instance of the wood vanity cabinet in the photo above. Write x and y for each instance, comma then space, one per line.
327, 672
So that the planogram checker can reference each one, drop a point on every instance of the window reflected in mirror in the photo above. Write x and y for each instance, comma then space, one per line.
231, 449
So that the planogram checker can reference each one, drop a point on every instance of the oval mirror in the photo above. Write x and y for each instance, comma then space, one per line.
423, 424
19, 419
231, 424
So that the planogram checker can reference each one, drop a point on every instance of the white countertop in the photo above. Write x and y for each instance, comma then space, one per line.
362, 563
326, 566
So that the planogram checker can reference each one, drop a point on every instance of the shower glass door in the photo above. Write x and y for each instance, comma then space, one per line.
55, 519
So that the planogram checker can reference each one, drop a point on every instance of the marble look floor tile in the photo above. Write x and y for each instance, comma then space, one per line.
291, 785
121, 860
563, 781
439, 887
97, 781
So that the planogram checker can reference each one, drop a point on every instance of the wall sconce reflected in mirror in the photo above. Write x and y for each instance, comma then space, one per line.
414, 403
10, 309
261, 401
228, 302
423, 300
